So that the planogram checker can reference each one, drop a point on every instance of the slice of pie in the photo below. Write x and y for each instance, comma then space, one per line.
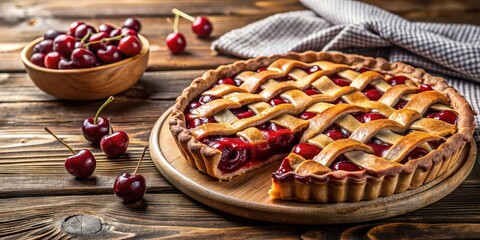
347, 127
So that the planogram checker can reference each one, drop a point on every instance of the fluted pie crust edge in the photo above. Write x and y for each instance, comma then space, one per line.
346, 186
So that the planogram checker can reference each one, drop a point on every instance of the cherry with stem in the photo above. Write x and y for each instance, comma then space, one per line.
131, 187
176, 41
115, 143
200, 25
95, 128
81, 164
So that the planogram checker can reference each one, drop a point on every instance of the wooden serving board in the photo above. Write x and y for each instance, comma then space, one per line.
247, 195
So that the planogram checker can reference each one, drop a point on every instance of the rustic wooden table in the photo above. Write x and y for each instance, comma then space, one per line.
38, 199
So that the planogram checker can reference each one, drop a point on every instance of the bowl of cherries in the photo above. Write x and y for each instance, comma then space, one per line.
87, 63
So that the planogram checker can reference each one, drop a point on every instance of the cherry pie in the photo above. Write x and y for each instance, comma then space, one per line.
347, 127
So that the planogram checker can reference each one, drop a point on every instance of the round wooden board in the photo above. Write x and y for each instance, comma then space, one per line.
247, 195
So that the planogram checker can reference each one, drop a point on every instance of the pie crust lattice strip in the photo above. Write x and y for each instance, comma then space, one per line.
348, 127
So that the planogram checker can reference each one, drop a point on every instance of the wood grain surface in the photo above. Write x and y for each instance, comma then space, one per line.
38, 199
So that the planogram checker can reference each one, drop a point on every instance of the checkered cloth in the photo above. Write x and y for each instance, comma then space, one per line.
448, 50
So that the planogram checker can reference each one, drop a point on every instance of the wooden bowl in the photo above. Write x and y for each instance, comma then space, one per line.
87, 83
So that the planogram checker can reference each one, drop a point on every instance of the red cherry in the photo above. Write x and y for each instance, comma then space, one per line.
373, 94
345, 166
311, 91
235, 153
176, 42
65, 64
114, 144
200, 121
341, 82
52, 59
131, 188
361, 70
106, 28
414, 154
379, 149
114, 33
401, 104
83, 58
132, 23
397, 80
95, 128
206, 98
446, 116
307, 151
194, 105
425, 87
38, 59
128, 31
44, 47
313, 69
52, 34
202, 27
334, 134
277, 101
95, 38
242, 112
64, 44
110, 54
307, 115
83, 30
285, 167
226, 80
130, 45
81, 164
74, 26
261, 69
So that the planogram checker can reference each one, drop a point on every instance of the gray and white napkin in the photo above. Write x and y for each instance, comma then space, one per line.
448, 50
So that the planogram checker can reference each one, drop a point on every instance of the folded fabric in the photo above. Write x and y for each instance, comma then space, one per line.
450, 50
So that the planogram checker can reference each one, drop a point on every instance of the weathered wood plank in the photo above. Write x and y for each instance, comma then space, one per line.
158, 85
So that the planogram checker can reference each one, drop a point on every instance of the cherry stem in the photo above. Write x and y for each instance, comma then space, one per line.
175, 23
60, 140
85, 37
105, 40
141, 158
109, 100
110, 129
186, 16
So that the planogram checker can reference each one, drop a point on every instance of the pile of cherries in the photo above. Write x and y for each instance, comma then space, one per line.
84, 46
98, 130
201, 26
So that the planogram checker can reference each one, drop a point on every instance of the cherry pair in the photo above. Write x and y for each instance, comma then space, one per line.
201, 26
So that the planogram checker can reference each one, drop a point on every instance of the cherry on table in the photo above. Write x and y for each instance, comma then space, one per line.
38, 59
94, 129
110, 54
132, 23
81, 164
52, 59
45, 46
52, 34
64, 44
130, 45
200, 25
176, 41
83, 58
115, 143
130, 188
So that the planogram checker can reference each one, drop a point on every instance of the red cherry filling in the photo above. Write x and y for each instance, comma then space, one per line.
446, 116
307, 115
279, 139
341, 82
277, 101
373, 94
335, 132
414, 154
261, 69
225, 80
284, 79
206, 98
425, 87
200, 121
311, 91
361, 70
401, 104
307, 151
397, 80
285, 167
235, 153
379, 148
367, 117
343, 164
242, 112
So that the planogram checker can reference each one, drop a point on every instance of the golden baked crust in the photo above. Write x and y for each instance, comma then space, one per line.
336, 186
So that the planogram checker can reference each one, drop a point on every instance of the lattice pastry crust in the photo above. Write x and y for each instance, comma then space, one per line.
312, 179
